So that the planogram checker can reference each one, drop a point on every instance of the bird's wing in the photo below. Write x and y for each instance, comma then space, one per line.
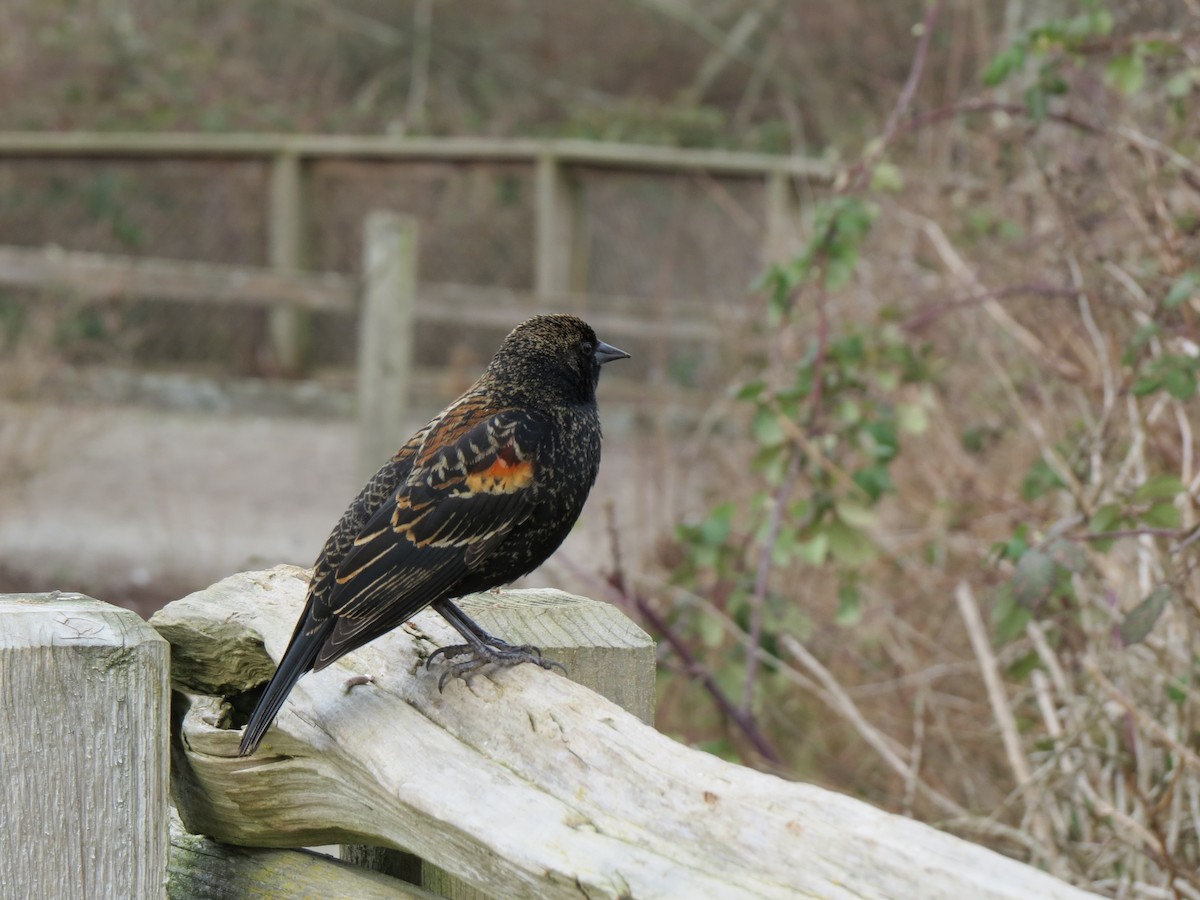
473, 479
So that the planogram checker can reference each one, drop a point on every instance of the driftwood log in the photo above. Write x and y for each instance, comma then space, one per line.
520, 783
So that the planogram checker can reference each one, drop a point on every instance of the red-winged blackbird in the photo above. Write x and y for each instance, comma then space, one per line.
480, 496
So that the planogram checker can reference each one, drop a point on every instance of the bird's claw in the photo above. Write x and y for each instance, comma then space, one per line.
498, 647
500, 654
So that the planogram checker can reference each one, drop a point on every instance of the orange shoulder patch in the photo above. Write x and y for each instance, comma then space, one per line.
501, 477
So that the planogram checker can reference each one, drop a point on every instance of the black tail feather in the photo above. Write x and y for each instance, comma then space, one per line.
297, 660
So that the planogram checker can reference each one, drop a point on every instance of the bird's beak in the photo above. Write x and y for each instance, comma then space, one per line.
607, 353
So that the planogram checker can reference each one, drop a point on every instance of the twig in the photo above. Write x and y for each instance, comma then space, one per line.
934, 311
844, 705
1144, 720
617, 581
758, 600
860, 172
964, 273
917, 754
974, 107
1129, 532
1001, 709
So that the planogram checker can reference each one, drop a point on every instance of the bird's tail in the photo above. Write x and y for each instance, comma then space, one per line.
298, 659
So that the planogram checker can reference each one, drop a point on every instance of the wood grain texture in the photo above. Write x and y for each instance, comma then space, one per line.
522, 783
200, 867
83, 750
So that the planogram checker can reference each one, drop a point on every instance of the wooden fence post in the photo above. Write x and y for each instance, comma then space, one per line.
385, 336
288, 329
560, 248
83, 749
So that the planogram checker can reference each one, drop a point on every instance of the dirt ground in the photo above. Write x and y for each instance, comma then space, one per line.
139, 506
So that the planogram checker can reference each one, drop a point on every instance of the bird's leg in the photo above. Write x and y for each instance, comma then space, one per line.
483, 647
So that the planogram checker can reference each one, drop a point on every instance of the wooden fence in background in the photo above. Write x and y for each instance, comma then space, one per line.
559, 260
387, 297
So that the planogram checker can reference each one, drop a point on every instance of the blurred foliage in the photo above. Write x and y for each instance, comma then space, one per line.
710, 73
1065, 365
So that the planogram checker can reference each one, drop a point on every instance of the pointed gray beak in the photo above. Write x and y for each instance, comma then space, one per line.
607, 353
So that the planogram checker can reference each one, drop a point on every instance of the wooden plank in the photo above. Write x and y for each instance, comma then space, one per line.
201, 868
95, 276
525, 784
385, 343
633, 157
83, 749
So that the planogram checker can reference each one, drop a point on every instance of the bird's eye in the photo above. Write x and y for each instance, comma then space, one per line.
587, 347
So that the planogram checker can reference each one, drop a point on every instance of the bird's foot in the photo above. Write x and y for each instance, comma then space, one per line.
498, 652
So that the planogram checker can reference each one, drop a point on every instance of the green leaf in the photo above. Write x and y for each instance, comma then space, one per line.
1180, 383
1140, 620
766, 427
1182, 288
839, 268
1127, 73
886, 177
1034, 579
712, 631
1023, 667
715, 530
1106, 518
1040, 480
855, 514
1010, 60
1162, 515
885, 440
848, 544
1147, 384
1177, 690
849, 411
751, 390
849, 611
1014, 548
912, 418
814, 551
1159, 487
1101, 21
1179, 85
1009, 617
874, 480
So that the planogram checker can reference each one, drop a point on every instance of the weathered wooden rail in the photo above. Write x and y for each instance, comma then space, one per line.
387, 297
519, 783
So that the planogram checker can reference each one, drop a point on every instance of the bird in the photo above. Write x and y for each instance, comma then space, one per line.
481, 495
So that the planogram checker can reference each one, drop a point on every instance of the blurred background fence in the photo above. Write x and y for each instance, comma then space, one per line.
662, 241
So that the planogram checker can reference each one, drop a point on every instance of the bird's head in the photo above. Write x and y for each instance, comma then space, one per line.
553, 354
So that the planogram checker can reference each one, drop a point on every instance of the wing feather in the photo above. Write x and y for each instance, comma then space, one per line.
473, 479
